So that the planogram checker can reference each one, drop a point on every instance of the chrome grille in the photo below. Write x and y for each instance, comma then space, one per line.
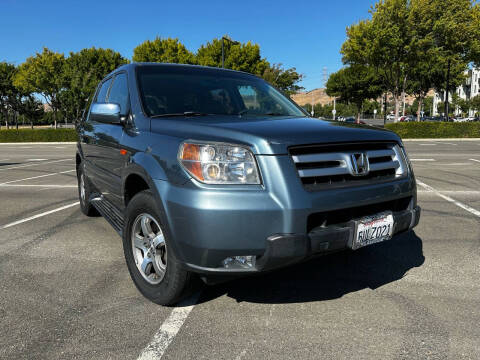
334, 165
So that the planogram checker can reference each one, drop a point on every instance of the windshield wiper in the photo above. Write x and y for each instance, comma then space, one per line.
276, 114
185, 113
244, 111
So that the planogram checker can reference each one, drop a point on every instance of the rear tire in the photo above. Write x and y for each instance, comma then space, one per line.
152, 264
84, 192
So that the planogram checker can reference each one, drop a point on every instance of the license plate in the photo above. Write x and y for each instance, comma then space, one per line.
372, 229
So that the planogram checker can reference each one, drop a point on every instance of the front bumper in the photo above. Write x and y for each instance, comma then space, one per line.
290, 248
276, 222
286, 249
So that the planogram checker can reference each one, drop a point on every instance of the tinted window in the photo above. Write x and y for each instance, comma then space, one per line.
175, 90
102, 94
119, 93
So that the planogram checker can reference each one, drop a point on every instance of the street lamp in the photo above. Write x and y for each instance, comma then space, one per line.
223, 48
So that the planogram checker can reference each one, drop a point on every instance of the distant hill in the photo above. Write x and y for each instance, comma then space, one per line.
319, 96
315, 96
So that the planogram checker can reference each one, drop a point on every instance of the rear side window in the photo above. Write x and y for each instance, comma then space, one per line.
119, 93
102, 94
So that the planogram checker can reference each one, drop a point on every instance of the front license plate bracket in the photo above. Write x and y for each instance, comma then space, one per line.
372, 229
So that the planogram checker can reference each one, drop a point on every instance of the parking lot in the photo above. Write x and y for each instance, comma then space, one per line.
66, 292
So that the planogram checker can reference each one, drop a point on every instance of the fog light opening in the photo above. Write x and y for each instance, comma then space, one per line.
239, 262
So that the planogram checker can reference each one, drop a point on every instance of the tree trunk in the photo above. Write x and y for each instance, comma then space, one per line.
385, 109
403, 95
419, 109
397, 106
31, 123
447, 86
55, 118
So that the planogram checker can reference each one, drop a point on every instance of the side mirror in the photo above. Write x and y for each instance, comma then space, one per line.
108, 113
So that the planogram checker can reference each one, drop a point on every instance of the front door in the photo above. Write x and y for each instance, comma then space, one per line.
103, 142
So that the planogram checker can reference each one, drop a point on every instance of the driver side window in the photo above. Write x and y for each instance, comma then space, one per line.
102, 93
119, 93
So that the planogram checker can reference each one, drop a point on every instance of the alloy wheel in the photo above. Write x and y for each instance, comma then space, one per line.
149, 248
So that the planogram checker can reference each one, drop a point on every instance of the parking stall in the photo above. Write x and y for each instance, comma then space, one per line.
66, 291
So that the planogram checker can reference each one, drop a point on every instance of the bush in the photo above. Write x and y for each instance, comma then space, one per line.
38, 135
419, 130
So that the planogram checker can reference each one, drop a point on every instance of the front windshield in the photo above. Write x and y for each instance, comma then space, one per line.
173, 90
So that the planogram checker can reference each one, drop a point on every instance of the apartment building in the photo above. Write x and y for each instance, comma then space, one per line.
467, 90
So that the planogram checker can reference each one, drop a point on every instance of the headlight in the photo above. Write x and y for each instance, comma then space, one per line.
217, 163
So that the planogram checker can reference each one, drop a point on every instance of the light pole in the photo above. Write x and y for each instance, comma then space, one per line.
334, 111
223, 48
313, 105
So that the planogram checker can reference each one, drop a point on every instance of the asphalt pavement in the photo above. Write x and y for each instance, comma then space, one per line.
66, 292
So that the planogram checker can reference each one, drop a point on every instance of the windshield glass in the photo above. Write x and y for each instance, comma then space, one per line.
177, 90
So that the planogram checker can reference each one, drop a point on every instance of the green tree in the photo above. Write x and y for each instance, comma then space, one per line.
284, 79
449, 25
7, 89
424, 69
81, 74
31, 108
242, 57
354, 84
42, 74
381, 43
475, 104
475, 29
163, 50
246, 57
460, 104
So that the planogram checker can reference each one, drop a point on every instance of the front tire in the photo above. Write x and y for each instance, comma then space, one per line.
152, 264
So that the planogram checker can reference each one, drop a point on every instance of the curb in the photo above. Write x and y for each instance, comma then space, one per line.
40, 143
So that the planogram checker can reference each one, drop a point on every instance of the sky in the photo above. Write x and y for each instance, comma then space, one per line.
304, 34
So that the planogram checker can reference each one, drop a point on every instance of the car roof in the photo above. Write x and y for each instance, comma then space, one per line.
172, 65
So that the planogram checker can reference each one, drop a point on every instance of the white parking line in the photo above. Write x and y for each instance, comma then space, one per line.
4, 159
455, 164
422, 160
449, 199
170, 327
448, 143
41, 186
427, 144
37, 159
38, 215
35, 164
37, 177
451, 192
475, 160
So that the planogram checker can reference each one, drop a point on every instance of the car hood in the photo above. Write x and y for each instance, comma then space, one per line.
270, 135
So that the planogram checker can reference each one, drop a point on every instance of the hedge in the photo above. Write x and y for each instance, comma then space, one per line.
37, 135
419, 130
410, 130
